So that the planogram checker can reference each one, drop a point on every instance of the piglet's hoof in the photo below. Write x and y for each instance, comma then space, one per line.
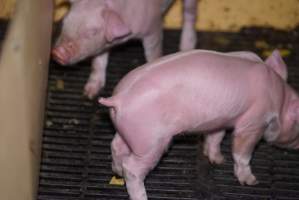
248, 180
214, 158
217, 159
92, 88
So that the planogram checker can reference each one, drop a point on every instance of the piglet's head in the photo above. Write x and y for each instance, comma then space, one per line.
288, 137
87, 29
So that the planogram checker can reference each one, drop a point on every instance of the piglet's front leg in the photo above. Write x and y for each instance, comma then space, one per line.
97, 78
244, 143
152, 44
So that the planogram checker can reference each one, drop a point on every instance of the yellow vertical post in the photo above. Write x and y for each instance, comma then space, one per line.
23, 81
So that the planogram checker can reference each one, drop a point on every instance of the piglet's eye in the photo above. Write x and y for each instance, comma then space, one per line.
93, 31
90, 33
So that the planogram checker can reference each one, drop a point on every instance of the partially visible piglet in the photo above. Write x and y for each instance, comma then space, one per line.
201, 91
93, 26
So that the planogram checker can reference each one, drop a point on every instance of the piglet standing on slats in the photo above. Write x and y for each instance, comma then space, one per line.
93, 26
205, 92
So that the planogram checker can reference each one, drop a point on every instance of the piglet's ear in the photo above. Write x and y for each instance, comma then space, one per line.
276, 62
115, 27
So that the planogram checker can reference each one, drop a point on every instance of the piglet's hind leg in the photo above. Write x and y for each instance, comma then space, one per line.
188, 37
119, 151
136, 167
212, 147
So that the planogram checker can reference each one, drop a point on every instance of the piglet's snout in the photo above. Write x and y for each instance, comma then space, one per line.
63, 54
60, 55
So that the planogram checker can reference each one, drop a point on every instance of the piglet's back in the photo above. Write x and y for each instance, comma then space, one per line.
197, 69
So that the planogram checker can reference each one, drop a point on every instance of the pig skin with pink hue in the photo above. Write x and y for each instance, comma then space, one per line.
92, 27
206, 92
